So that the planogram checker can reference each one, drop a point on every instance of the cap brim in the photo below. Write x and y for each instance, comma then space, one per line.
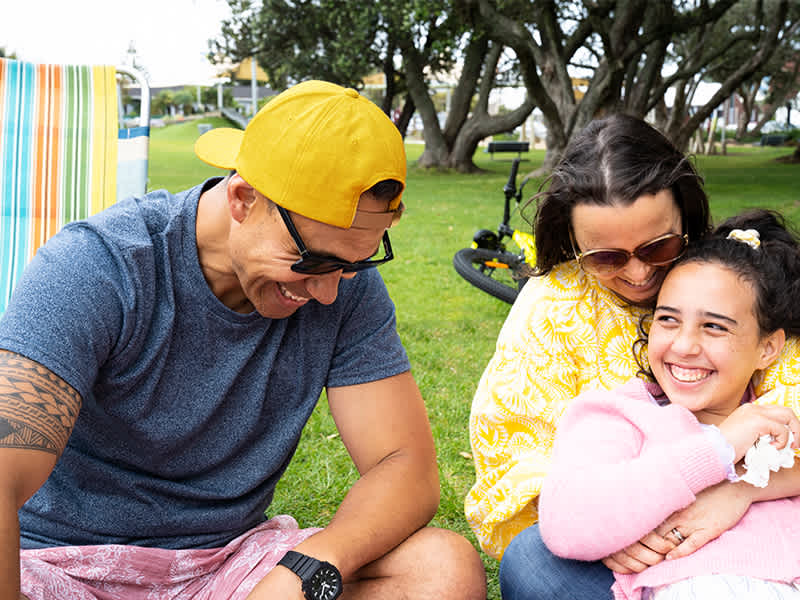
219, 147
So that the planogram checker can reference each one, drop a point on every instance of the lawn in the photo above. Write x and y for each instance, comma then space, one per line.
447, 326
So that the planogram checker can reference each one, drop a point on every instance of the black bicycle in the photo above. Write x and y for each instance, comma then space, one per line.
488, 264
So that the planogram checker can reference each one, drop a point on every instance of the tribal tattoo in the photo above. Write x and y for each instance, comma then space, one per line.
37, 408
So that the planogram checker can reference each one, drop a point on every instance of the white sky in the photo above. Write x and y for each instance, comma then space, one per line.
170, 36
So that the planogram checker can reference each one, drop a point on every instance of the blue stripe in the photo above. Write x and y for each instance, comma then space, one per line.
8, 181
133, 132
6, 184
15, 182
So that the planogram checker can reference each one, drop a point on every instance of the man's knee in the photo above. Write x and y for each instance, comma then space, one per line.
450, 564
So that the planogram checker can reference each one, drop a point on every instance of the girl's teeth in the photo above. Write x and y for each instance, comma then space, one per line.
689, 375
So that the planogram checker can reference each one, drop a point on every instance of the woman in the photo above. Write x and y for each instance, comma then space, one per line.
620, 207
722, 315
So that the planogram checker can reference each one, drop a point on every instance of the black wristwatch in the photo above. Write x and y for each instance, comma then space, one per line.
321, 580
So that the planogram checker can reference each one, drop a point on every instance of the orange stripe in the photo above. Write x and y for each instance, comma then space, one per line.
39, 142
51, 159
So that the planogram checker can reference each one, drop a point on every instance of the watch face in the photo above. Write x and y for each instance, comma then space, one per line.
325, 584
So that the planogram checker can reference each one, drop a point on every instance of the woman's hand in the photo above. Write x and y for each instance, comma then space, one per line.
747, 423
715, 510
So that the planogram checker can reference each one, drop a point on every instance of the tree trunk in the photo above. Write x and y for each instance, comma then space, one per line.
454, 145
405, 116
767, 44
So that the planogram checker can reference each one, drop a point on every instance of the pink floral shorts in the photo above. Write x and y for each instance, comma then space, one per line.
116, 572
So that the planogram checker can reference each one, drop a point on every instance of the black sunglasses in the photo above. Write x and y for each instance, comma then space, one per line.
314, 264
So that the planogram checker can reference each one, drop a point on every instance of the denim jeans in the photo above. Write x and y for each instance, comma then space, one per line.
529, 571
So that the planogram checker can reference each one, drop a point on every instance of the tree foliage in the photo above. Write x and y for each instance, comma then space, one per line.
630, 53
303, 39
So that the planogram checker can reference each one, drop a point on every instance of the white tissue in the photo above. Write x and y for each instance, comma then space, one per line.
763, 457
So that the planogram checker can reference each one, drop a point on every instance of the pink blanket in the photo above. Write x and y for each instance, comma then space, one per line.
115, 572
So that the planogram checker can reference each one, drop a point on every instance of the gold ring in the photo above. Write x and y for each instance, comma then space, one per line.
678, 535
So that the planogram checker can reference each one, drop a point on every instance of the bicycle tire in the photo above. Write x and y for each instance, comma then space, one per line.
471, 264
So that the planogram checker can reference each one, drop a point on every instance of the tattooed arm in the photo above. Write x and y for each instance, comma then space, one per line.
37, 413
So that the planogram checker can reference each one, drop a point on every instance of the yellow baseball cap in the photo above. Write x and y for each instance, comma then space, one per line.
313, 149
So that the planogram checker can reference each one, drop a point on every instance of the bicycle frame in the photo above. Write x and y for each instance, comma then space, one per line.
487, 264
525, 240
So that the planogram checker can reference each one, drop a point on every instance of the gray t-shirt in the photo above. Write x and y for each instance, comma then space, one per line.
191, 411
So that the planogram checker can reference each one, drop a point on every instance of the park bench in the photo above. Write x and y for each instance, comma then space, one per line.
774, 140
507, 146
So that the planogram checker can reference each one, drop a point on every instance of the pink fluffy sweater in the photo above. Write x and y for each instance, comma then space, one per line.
622, 464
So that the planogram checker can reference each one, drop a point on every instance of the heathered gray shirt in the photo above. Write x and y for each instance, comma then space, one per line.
191, 411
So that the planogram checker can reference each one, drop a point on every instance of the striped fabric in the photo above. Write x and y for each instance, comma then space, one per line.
58, 154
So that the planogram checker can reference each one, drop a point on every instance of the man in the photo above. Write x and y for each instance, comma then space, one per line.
160, 360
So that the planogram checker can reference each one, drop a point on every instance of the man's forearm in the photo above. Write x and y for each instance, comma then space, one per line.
394, 499
9, 551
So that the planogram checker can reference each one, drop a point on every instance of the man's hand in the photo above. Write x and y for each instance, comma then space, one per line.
715, 510
648, 551
280, 582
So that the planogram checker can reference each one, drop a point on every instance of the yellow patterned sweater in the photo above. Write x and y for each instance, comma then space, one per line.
565, 334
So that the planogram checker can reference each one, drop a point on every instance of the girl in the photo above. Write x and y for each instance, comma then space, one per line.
625, 460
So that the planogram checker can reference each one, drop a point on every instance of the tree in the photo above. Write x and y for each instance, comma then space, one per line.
625, 49
631, 52
413, 42
208, 96
185, 99
302, 39
162, 102
778, 73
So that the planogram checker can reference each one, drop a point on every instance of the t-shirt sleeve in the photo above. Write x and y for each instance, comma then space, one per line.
66, 312
368, 347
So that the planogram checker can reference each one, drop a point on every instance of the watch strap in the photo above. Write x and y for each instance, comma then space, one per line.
307, 568
301, 564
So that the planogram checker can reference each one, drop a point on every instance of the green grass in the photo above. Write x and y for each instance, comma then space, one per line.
447, 326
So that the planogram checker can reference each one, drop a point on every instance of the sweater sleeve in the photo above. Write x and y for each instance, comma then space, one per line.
520, 397
646, 462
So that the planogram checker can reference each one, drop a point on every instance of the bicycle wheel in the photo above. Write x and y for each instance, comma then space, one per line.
489, 270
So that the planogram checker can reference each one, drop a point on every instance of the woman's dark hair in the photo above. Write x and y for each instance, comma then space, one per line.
772, 269
614, 160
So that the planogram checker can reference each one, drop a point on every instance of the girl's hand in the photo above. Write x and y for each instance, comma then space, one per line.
747, 423
648, 551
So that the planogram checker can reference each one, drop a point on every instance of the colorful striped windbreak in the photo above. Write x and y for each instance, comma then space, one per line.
58, 154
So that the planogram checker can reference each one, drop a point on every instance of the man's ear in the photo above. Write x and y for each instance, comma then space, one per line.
241, 197
771, 348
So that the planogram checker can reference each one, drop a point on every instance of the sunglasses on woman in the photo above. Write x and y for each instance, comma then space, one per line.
660, 251
314, 264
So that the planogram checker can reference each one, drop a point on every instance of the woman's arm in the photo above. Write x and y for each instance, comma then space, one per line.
563, 335
520, 397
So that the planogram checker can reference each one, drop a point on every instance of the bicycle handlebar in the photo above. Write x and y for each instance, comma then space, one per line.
511, 185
